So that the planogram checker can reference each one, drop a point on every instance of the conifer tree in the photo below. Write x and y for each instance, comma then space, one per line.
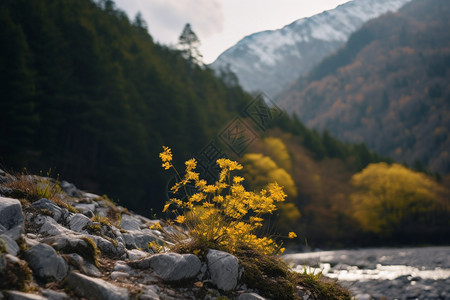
189, 43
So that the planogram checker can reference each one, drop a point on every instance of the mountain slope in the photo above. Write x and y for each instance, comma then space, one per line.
270, 60
388, 86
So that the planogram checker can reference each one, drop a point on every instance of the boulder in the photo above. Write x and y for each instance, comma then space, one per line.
128, 239
58, 213
54, 295
86, 207
48, 225
140, 238
46, 263
82, 265
70, 189
172, 266
136, 254
83, 246
115, 275
11, 217
95, 288
10, 245
4, 191
16, 295
223, 268
79, 223
108, 247
130, 223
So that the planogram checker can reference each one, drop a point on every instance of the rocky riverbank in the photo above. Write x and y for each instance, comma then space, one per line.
401, 273
77, 245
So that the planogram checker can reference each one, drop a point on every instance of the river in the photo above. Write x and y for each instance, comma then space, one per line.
383, 273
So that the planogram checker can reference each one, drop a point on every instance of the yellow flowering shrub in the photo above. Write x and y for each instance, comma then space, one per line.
224, 214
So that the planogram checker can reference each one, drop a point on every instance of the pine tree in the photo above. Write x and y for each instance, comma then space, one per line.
189, 43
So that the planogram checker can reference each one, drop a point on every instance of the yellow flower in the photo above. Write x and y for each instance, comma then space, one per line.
156, 226
207, 204
166, 207
210, 189
224, 213
225, 163
282, 250
197, 197
292, 235
166, 155
191, 164
201, 184
237, 179
166, 165
180, 219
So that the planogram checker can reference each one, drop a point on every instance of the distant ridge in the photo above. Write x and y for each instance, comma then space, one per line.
269, 60
388, 87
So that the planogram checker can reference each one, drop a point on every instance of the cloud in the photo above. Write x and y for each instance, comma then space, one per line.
166, 18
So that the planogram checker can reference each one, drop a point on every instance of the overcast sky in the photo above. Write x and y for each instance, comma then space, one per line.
220, 24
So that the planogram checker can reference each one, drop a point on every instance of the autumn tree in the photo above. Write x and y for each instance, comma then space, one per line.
261, 170
189, 44
392, 199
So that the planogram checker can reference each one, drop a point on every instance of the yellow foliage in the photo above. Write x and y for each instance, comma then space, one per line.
278, 152
225, 213
260, 170
389, 194
289, 214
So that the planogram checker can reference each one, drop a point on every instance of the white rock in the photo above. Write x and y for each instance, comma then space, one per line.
11, 217
364, 297
250, 296
224, 269
95, 288
46, 263
117, 274
122, 267
150, 292
136, 254
16, 295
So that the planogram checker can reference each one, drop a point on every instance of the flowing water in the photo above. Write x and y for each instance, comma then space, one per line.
401, 273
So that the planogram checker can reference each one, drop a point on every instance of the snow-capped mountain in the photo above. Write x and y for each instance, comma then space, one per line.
269, 60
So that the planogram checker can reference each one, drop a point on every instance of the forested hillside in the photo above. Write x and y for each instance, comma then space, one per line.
87, 93
387, 87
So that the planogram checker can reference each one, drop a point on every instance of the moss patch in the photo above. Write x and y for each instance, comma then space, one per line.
323, 288
269, 275
88, 250
16, 275
2, 246
273, 278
